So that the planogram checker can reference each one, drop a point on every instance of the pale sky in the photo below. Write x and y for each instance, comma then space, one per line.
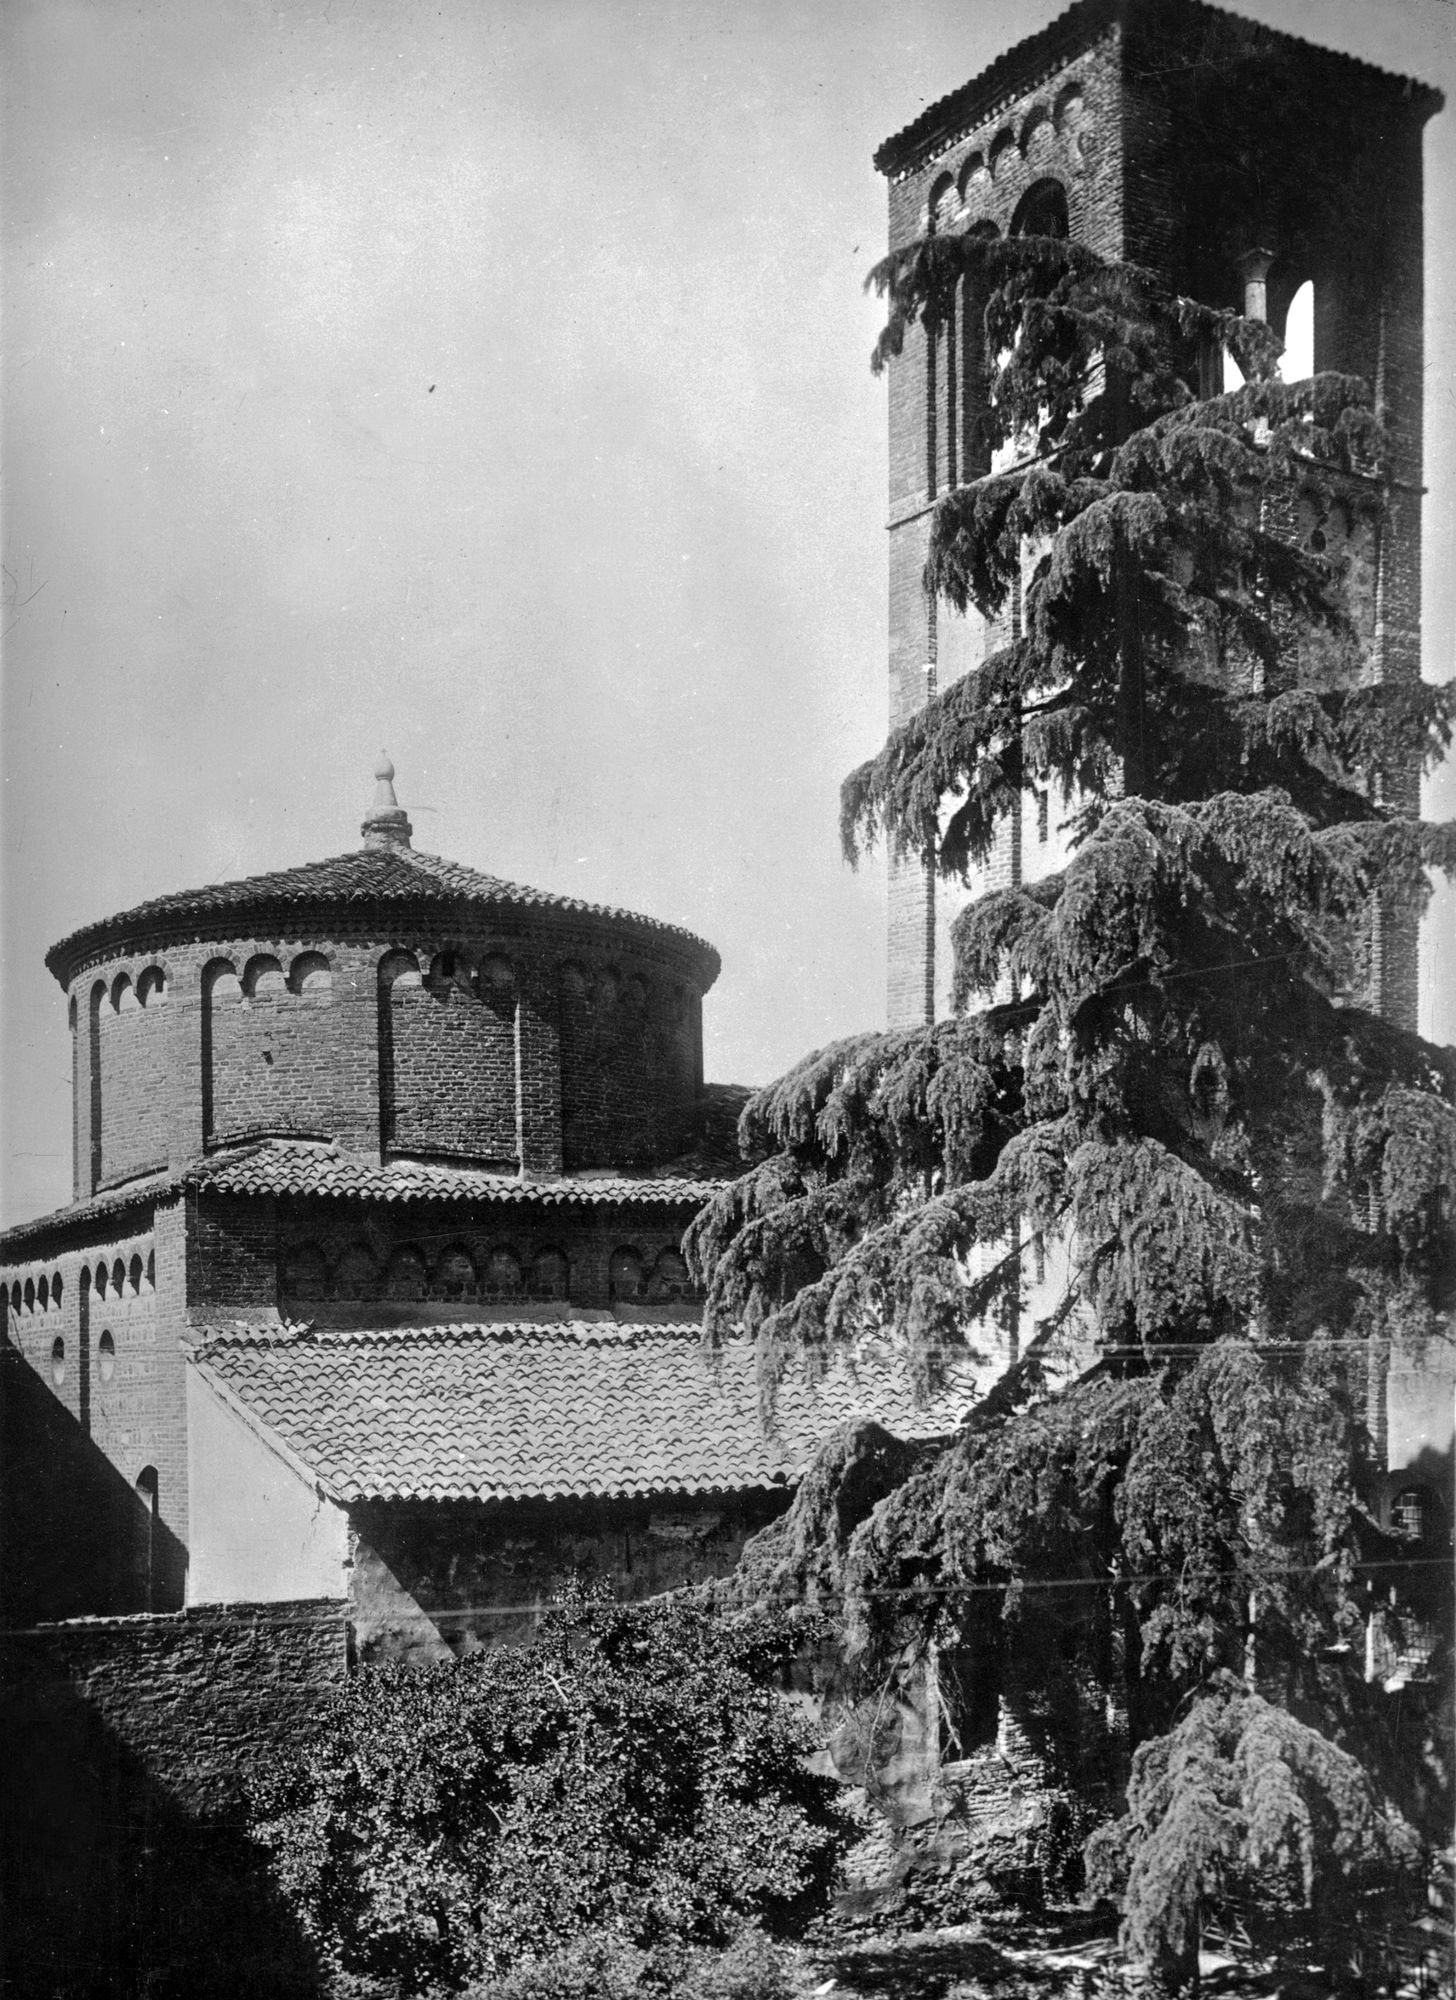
487, 382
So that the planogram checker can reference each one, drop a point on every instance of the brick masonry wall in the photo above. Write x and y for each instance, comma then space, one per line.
447, 1058
371, 1043
268, 1040
1138, 124
628, 1065
128, 1056
96, 1469
1339, 203
433, 1579
346, 1255
232, 1251
1065, 126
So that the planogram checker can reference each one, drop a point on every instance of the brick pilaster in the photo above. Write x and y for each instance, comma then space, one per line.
538, 1075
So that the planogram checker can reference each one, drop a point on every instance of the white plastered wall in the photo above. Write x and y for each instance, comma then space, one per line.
260, 1531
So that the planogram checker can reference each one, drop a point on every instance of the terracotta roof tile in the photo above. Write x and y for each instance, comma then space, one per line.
293, 1167
523, 1411
370, 878
277, 1167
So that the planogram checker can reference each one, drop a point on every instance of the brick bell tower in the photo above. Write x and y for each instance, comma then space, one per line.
1178, 136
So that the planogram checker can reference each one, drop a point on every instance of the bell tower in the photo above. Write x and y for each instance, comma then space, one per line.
1250, 168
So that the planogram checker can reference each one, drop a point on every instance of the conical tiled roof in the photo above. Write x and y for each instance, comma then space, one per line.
387, 879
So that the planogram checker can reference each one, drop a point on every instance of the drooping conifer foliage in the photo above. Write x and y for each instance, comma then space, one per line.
1183, 1081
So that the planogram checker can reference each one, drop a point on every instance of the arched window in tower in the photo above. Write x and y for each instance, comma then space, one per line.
940, 385
943, 207
106, 1355
58, 1361
149, 1495
1042, 211
1297, 362
624, 1275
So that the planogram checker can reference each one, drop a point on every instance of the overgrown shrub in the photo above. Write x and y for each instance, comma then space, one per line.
632, 1775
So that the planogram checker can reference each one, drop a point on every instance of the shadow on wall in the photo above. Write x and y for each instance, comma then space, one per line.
77, 1539
110, 1887
432, 1578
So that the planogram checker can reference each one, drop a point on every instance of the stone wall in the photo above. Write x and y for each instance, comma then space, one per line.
197, 1696
125, 1744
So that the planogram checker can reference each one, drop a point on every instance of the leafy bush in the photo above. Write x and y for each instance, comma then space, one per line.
632, 1775
1246, 1810
751, 1968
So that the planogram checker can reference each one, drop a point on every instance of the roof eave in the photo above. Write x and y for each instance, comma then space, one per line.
133, 932
1014, 71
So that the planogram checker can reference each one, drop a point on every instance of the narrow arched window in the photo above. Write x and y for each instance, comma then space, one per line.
1297, 361
149, 1494
58, 1361
106, 1355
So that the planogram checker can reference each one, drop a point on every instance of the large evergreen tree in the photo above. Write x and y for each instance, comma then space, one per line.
1250, 1169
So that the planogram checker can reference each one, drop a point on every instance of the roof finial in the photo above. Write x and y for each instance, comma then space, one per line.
386, 823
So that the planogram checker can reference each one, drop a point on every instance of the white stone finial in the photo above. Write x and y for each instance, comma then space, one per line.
384, 799
385, 824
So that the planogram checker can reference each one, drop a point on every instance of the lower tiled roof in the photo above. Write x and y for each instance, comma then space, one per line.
517, 1411
284, 1168
98, 1208
297, 1167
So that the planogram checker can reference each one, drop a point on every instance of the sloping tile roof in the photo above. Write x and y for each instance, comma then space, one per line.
277, 1167
370, 878
524, 1411
1018, 67
100, 1208
293, 1167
